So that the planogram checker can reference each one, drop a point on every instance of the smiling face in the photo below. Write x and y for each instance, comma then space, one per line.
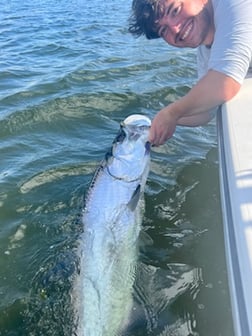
185, 23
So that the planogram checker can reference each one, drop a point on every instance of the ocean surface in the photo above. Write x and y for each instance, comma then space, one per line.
69, 73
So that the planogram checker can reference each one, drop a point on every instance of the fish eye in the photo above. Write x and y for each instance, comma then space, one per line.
144, 127
120, 136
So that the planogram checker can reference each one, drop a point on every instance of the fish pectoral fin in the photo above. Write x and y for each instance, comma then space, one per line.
135, 198
145, 240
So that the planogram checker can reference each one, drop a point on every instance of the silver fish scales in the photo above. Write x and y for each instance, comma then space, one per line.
112, 220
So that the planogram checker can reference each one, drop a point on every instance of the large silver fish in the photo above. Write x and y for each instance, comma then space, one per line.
112, 222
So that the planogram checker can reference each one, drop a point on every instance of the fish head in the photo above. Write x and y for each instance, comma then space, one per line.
130, 152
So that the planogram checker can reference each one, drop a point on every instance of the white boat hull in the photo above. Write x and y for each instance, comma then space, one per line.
235, 149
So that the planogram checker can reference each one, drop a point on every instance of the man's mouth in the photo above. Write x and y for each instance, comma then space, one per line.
185, 32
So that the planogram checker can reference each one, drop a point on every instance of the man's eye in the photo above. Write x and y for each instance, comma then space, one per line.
176, 11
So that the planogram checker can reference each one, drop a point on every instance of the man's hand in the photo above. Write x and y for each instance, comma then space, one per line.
193, 109
163, 126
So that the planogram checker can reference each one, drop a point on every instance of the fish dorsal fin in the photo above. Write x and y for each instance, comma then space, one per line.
135, 198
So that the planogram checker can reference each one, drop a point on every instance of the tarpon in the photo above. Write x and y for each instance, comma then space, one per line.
112, 222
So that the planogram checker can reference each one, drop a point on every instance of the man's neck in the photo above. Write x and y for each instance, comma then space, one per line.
210, 36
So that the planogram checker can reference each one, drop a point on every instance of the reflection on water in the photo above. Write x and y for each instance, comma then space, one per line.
177, 279
184, 223
157, 290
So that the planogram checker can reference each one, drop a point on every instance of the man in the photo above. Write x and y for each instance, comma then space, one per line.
222, 32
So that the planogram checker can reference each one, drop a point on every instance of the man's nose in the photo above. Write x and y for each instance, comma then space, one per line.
173, 24
175, 29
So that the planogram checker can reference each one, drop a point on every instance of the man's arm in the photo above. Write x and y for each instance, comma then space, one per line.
198, 119
212, 90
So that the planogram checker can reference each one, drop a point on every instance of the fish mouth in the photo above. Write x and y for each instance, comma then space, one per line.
132, 128
137, 121
136, 125
185, 31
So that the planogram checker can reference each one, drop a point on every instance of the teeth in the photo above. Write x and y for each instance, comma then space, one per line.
186, 33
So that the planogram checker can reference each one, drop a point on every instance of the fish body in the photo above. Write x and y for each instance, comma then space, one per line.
112, 220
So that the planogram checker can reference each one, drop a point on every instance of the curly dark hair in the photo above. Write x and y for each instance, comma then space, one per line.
143, 18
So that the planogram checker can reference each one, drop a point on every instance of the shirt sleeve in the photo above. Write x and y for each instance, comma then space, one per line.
231, 51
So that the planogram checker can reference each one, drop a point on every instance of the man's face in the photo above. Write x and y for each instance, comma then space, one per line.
186, 23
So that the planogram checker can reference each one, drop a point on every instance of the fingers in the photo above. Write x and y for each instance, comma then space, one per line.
162, 127
159, 134
156, 131
157, 139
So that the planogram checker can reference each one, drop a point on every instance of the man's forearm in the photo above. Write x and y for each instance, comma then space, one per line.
211, 91
193, 109
197, 120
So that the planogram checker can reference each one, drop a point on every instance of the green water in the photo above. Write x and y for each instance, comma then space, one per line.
70, 73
